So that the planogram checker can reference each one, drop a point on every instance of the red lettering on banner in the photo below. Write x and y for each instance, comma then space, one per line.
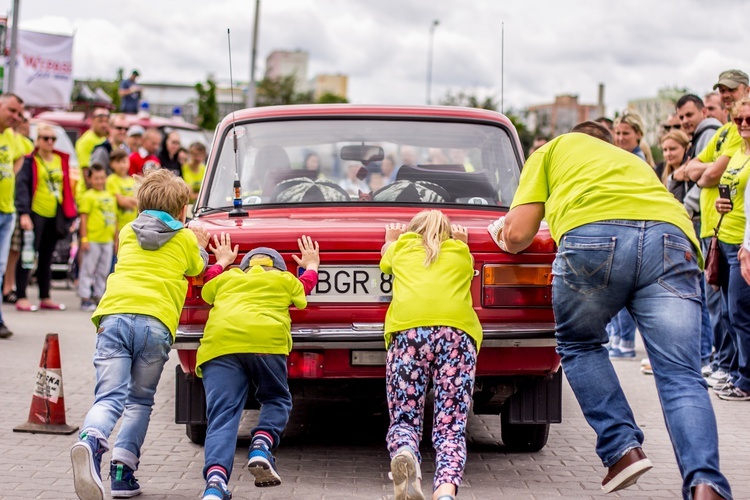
44, 64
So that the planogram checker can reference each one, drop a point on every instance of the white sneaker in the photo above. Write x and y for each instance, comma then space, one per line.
406, 475
717, 377
707, 370
646, 367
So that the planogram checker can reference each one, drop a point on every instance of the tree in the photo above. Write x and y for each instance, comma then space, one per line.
469, 100
329, 98
525, 135
208, 107
278, 91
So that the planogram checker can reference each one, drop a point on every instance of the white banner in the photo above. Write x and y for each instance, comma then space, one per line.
44, 69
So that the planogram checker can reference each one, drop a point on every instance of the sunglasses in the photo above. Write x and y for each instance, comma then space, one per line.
740, 120
51, 138
121, 128
670, 127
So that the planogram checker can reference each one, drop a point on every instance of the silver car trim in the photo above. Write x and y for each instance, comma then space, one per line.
370, 336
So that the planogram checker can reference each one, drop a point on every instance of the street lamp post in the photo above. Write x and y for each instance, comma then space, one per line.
429, 61
250, 101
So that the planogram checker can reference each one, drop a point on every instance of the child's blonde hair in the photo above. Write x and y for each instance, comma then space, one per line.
435, 228
162, 190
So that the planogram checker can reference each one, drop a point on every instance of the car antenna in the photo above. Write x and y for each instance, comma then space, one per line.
237, 211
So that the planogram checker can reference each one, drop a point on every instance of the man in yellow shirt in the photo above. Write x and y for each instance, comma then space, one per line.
11, 107
90, 139
623, 241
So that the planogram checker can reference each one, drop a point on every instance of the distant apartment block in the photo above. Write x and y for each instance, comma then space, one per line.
560, 116
330, 84
282, 63
655, 111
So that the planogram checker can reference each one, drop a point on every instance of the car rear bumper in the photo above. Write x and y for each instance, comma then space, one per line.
370, 336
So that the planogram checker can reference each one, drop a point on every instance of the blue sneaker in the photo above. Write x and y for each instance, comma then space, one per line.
123, 483
262, 465
216, 490
618, 353
86, 457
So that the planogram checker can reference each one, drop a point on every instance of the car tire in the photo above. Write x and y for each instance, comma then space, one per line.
196, 433
523, 438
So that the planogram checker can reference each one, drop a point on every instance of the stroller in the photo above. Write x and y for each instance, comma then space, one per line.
64, 257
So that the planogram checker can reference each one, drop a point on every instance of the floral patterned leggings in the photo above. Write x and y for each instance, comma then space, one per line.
448, 357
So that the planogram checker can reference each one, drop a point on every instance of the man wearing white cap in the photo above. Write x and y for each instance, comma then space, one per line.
134, 139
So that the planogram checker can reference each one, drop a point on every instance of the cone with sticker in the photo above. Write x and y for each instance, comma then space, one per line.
47, 413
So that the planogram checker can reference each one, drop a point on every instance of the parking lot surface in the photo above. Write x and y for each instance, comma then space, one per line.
332, 451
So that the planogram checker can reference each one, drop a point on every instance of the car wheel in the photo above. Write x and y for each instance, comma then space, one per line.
196, 433
523, 437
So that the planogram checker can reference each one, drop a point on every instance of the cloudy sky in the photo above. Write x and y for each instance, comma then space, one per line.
551, 47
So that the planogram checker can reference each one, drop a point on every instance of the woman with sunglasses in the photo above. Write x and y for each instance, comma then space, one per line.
730, 203
42, 190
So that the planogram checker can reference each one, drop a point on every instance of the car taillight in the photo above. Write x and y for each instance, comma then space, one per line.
195, 284
305, 365
517, 285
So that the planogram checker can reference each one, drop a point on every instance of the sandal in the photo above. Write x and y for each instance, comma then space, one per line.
10, 297
52, 305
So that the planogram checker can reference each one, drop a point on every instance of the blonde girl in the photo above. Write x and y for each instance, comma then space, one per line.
432, 335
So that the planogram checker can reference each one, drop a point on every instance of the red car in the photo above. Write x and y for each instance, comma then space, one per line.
327, 171
76, 123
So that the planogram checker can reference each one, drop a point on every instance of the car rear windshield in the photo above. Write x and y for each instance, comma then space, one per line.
364, 161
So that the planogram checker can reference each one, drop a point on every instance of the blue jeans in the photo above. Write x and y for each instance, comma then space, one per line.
131, 350
226, 380
7, 225
650, 268
720, 324
707, 334
738, 302
621, 331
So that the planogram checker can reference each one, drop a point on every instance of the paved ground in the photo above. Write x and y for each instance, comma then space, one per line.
328, 453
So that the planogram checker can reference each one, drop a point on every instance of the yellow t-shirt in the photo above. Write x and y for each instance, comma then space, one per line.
100, 206
8, 145
49, 181
85, 146
151, 282
725, 142
124, 186
439, 295
732, 229
250, 313
193, 179
24, 145
582, 180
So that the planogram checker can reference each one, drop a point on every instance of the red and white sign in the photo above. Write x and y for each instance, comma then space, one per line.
44, 69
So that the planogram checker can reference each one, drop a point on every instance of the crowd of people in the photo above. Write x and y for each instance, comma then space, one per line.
66, 209
705, 147
631, 237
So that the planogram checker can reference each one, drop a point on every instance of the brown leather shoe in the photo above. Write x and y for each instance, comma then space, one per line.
705, 492
626, 471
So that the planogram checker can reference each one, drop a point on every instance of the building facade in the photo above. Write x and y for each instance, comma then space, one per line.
655, 111
560, 116
282, 63
330, 84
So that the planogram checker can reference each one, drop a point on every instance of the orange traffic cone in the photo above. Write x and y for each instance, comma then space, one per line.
47, 413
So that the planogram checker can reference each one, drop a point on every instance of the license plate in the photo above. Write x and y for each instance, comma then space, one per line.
351, 284
369, 358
